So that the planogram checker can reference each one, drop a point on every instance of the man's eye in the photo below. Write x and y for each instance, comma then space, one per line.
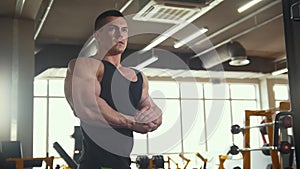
111, 28
125, 30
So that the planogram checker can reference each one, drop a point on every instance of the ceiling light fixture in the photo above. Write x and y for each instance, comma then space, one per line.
180, 43
239, 61
248, 5
279, 72
238, 54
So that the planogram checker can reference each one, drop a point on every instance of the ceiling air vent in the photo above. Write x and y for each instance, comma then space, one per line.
166, 12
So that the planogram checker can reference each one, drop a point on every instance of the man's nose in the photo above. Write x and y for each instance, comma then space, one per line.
120, 33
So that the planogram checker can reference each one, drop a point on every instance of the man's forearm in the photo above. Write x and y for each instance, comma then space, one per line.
113, 117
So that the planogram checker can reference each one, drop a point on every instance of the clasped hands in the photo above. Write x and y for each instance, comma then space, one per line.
146, 120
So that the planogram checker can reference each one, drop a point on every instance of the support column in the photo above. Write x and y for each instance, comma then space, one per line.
5, 77
292, 41
16, 80
266, 94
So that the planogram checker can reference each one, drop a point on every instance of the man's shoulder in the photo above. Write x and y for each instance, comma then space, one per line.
85, 63
84, 60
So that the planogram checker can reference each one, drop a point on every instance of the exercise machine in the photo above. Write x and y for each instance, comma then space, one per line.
203, 159
279, 141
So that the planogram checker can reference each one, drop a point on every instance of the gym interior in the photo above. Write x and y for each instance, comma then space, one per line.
225, 78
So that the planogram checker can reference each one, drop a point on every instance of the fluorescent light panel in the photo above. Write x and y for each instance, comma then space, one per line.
189, 38
126, 5
280, 71
248, 5
146, 62
154, 43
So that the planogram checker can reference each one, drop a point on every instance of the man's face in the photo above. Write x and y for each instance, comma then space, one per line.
113, 36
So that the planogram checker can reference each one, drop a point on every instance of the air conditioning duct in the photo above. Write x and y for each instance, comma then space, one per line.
233, 51
172, 12
185, 3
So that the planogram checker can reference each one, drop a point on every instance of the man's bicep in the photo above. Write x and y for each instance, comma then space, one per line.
82, 87
68, 88
68, 82
145, 98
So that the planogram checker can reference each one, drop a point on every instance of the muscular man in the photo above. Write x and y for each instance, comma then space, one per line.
110, 100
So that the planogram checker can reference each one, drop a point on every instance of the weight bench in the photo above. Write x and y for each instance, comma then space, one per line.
11, 152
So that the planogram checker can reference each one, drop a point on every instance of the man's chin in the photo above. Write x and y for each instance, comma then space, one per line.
115, 52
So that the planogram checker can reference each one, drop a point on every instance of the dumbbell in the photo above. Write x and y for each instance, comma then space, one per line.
142, 162
236, 129
266, 152
286, 122
158, 161
284, 148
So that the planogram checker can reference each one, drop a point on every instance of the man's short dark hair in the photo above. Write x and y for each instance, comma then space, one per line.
100, 19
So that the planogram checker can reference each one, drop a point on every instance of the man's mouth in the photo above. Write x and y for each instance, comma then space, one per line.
121, 42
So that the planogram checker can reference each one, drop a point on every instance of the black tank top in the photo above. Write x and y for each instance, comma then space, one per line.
120, 93
124, 96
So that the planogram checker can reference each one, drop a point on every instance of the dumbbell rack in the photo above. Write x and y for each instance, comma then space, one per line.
268, 119
273, 141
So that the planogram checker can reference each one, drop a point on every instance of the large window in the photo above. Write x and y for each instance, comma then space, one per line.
53, 119
281, 93
197, 117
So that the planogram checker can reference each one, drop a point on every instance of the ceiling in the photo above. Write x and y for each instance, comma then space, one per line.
259, 29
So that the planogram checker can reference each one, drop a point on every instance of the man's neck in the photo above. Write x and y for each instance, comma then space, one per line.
115, 60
